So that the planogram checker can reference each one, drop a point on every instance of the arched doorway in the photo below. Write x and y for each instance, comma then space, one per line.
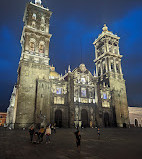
84, 118
136, 123
106, 120
58, 118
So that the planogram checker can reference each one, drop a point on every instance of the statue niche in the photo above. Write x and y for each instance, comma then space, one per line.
41, 48
32, 46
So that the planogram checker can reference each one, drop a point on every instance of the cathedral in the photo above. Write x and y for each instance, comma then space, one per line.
42, 96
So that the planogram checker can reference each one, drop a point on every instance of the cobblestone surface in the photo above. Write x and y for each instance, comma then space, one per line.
114, 143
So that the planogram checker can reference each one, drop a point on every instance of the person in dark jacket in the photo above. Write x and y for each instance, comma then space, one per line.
78, 139
31, 132
54, 127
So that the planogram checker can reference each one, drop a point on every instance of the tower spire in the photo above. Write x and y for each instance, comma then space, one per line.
94, 74
69, 68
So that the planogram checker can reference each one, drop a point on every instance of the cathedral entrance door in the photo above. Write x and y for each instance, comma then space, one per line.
136, 123
84, 118
106, 120
58, 118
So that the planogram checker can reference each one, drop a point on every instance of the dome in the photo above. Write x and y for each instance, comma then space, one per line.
53, 74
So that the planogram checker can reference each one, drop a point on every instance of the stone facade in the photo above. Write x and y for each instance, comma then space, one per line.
110, 81
135, 114
78, 98
3, 117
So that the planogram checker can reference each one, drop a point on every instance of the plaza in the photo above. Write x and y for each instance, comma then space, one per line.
124, 143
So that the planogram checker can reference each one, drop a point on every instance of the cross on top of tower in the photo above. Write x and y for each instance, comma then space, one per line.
38, 2
105, 28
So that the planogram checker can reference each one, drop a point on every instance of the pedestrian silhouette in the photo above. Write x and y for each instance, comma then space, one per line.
98, 132
78, 139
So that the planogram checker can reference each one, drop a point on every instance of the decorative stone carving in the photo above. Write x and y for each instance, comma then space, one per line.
76, 113
82, 67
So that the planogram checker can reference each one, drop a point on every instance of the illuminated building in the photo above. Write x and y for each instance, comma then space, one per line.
43, 96
2, 118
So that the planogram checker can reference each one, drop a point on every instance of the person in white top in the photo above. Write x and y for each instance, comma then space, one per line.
48, 133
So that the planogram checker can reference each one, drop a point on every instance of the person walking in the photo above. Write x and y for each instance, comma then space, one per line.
41, 133
48, 133
78, 139
98, 132
54, 127
36, 136
31, 132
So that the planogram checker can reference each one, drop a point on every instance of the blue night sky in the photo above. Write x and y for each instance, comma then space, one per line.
74, 25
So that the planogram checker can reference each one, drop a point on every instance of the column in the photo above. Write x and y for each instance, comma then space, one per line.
107, 45
96, 95
47, 48
106, 64
101, 66
118, 49
112, 45
114, 59
109, 63
47, 28
97, 69
96, 51
120, 67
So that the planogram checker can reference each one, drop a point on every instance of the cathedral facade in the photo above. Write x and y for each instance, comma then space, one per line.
42, 96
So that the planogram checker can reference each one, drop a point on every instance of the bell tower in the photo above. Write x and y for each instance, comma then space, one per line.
35, 37
34, 62
110, 77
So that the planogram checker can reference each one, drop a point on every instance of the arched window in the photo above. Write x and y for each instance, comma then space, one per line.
83, 92
42, 19
104, 96
136, 123
112, 66
117, 68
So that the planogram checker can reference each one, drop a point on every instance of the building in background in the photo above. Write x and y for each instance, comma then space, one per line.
2, 118
135, 115
42, 96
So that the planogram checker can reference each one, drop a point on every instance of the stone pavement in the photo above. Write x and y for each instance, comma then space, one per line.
115, 143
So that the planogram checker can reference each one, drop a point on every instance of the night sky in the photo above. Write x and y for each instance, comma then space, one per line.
74, 25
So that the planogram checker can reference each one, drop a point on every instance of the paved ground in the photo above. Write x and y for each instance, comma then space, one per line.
115, 143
